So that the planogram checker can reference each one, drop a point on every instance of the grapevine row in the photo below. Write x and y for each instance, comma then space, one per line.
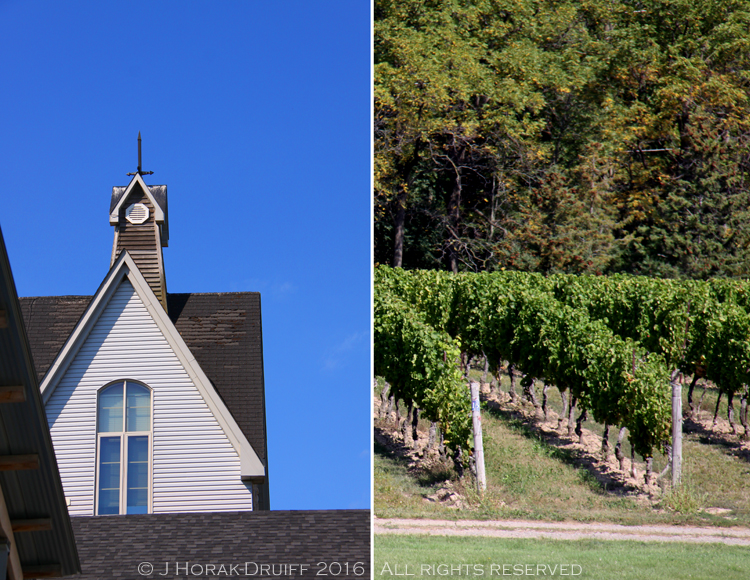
509, 318
557, 327
422, 366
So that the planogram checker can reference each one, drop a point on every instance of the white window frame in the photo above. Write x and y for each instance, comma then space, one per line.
124, 435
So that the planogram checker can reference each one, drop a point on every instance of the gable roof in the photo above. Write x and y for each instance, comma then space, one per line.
223, 331
251, 465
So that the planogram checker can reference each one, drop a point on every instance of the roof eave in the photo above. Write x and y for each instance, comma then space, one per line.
25, 425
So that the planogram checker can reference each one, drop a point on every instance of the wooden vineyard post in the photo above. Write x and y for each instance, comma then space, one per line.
478, 446
676, 430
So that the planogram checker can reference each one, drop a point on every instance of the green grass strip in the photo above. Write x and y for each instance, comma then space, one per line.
405, 557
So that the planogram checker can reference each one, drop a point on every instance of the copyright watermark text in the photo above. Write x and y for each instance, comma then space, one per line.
494, 569
251, 569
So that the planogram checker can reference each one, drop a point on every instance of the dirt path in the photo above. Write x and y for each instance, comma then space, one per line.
563, 531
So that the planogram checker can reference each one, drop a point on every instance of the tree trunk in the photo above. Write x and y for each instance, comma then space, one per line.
384, 401
633, 471
530, 393
497, 378
743, 412
730, 412
432, 441
512, 390
458, 463
414, 424
398, 227
465, 364
618, 449
690, 395
561, 418
571, 416
454, 215
703, 394
485, 371
716, 411
649, 468
406, 427
605, 441
544, 399
579, 430
668, 466
492, 209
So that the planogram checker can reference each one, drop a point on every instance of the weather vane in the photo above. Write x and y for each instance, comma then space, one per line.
139, 172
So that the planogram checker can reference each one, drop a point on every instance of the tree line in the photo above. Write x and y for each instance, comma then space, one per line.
577, 136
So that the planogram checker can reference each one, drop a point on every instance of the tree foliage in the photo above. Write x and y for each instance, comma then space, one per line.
563, 136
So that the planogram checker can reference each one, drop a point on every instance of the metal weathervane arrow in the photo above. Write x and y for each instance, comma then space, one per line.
139, 172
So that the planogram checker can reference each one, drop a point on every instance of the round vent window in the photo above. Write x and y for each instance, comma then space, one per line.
137, 213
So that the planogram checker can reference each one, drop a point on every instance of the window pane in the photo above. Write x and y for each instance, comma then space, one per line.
139, 418
109, 502
138, 501
138, 475
138, 450
139, 408
110, 409
109, 476
109, 450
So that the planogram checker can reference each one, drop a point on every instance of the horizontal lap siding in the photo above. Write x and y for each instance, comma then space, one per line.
195, 467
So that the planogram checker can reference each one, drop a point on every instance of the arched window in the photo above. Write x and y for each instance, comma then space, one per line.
123, 449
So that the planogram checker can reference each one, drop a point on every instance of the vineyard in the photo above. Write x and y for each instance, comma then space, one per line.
613, 346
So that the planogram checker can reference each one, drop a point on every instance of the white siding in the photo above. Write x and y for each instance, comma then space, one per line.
195, 467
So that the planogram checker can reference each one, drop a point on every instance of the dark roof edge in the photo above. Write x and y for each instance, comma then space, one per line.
63, 296
212, 293
266, 501
46, 453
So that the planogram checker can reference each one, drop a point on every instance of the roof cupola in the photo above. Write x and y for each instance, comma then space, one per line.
139, 214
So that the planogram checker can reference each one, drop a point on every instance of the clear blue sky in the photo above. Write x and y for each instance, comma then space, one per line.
256, 115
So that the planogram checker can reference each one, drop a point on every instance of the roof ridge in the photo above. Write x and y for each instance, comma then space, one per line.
55, 296
168, 294
212, 293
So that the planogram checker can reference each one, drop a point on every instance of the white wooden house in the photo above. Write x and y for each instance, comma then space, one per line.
156, 407
137, 424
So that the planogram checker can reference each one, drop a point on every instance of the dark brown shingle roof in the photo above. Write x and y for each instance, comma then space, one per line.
49, 321
222, 330
114, 546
